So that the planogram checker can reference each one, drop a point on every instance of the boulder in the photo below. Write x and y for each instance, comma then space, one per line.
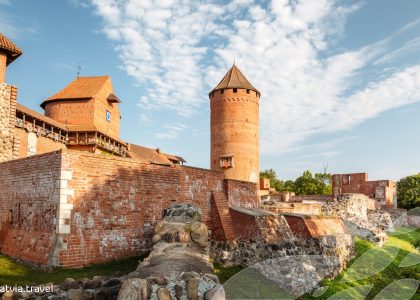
192, 289
163, 294
76, 294
69, 284
178, 291
135, 289
199, 234
216, 293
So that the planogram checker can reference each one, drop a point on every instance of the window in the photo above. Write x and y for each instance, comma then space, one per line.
108, 116
248, 91
222, 91
235, 90
346, 180
10, 217
226, 161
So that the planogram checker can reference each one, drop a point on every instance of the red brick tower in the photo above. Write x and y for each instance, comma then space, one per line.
234, 105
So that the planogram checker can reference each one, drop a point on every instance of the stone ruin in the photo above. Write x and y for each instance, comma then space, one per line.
178, 266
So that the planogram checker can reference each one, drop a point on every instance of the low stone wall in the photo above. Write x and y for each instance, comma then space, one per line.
413, 217
347, 204
249, 253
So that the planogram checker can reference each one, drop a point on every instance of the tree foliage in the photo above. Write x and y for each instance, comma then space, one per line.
306, 184
408, 192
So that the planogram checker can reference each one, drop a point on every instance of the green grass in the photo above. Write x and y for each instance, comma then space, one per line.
224, 273
13, 273
404, 239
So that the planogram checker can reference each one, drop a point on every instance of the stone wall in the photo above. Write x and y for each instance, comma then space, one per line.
347, 204
361, 221
248, 253
8, 94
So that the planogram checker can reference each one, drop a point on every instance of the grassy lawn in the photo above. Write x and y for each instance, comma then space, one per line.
404, 239
12, 273
372, 270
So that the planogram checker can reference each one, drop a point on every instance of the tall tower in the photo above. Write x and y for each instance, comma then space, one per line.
8, 93
234, 106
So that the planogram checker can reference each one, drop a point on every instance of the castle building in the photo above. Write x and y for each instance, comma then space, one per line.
74, 193
83, 116
234, 105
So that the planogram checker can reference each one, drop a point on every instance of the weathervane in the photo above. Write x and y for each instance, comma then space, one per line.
79, 67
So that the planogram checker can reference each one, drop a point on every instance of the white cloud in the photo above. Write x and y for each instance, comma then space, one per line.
171, 132
178, 49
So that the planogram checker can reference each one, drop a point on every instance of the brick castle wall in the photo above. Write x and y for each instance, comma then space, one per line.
28, 207
75, 208
8, 95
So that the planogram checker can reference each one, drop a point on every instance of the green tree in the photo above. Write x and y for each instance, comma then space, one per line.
278, 185
408, 192
308, 184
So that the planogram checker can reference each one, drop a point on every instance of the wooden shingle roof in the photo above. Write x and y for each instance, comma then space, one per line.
11, 49
234, 79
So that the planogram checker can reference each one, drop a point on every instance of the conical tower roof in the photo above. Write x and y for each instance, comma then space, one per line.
234, 79
11, 49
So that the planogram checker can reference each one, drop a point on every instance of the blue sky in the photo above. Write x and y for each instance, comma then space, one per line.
339, 79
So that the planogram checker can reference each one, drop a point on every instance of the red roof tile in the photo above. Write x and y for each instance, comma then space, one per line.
80, 88
12, 50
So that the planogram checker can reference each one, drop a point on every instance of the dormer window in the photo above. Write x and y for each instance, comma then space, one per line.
226, 161
108, 116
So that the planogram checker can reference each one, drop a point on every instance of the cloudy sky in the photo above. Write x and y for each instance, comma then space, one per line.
340, 80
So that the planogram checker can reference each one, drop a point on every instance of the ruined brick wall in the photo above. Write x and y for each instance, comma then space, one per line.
242, 194
245, 226
307, 226
384, 191
28, 206
8, 94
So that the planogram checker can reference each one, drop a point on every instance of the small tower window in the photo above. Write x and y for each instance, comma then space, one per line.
235, 90
248, 91
222, 91
226, 161
10, 217
108, 116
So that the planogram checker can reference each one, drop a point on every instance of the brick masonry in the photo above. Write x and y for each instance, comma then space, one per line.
74, 208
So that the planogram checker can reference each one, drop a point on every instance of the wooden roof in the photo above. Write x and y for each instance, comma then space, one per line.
234, 79
11, 49
29, 112
80, 88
